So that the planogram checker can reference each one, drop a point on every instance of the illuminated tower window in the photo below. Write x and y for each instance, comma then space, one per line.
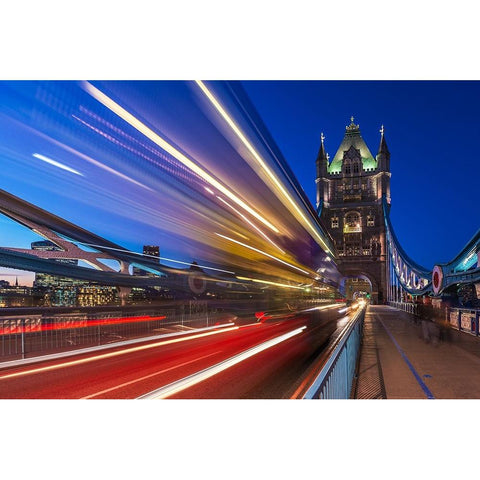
334, 222
352, 223
370, 221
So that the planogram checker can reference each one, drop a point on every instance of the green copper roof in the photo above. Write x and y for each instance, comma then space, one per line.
352, 137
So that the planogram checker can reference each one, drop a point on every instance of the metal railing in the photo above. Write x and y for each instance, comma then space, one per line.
31, 335
335, 379
405, 306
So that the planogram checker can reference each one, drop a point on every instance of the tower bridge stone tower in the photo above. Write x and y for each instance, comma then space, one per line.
349, 201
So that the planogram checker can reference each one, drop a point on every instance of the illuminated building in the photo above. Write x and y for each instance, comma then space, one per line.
94, 295
46, 280
349, 200
16, 295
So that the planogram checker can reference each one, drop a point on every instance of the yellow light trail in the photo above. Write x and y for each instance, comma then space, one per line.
270, 283
250, 223
263, 253
259, 159
154, 137
113, 354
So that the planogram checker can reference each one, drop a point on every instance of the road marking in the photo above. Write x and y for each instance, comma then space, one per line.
425, 389
113, 354
184, 383
148, 376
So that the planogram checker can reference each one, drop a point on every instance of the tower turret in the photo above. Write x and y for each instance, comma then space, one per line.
383, 160
321, 168
322, 160
383, 155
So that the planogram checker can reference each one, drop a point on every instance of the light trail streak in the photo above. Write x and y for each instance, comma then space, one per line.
187, 382
56, 164
113, 354
285, 285
72, 324
259, 160
154, 137
323, 307
251, 224
153, 256
126, 384
83, 156
263, 253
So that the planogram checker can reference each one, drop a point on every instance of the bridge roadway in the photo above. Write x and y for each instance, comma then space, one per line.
405, 358
264, 359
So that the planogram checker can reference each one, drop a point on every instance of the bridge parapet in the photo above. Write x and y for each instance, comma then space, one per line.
336, 375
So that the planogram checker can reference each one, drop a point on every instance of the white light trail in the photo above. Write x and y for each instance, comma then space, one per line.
126, 384
56, 164
184, 383
86, 157
256, 280
153, 256
154, 137
323, 307
113, 354
259, 159
263, 253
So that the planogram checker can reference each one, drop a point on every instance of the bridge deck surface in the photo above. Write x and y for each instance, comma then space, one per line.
405, 358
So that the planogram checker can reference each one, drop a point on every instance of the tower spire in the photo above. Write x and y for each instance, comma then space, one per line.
383, 155
383, 144
353, 128
321, 166
322, 158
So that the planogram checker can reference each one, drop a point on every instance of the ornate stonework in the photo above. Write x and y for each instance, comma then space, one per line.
349, 200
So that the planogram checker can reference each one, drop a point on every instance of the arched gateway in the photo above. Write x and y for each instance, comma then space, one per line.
350, 189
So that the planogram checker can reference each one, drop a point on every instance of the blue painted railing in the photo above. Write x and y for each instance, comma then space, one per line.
335, 379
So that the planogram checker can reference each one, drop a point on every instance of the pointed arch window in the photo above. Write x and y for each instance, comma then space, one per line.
352, 223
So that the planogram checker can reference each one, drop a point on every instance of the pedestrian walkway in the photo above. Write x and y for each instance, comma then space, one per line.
404, 358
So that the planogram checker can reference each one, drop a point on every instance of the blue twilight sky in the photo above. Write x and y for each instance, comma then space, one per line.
432, 129
119, 191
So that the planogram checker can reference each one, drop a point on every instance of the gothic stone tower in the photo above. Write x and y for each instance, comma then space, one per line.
349, 201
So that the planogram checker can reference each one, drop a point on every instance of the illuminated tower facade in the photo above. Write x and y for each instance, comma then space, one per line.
350, 189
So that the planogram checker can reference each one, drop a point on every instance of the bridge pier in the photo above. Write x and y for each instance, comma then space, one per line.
123, 293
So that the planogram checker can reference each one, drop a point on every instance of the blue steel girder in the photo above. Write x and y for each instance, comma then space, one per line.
414, 279
58, 230
464, 268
